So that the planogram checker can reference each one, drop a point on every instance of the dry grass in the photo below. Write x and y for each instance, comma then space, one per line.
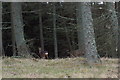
57, 68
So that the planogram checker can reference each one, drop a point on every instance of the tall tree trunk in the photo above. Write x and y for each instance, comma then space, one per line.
41, 28
114, 28
0, 28
13, 41
1, 48
81, 45
17, 22
54, 31
68, 39
88, 32
118, 45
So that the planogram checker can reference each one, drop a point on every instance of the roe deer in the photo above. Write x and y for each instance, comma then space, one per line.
43, 54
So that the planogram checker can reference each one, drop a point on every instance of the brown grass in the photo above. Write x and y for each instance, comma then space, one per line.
58, 68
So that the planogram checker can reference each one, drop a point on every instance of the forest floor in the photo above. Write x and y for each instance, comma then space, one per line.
58, 68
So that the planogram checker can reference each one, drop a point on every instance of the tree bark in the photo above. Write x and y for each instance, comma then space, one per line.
81, 45
41, 29
88, 36
13, 42
1, 29
118, 45
17, 22
114, 28
54, 31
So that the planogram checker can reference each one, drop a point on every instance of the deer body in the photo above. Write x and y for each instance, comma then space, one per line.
43, 54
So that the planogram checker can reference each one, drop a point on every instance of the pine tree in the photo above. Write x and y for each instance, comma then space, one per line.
17, 25
88, 36
0, 28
